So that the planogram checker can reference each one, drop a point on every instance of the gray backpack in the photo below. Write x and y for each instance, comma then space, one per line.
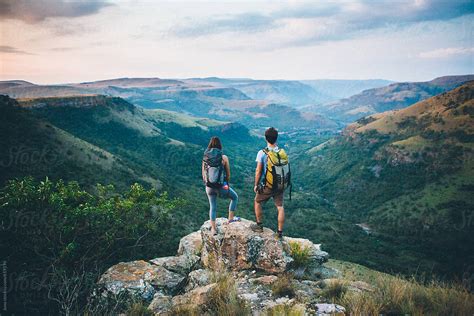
213, 168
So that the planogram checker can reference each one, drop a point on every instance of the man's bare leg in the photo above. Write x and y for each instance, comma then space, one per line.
281, 217
258, 217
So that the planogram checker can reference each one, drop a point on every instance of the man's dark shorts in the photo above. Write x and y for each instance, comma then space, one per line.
267, 193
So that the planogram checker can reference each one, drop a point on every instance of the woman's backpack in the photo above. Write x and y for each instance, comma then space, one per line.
278, 173
213, 168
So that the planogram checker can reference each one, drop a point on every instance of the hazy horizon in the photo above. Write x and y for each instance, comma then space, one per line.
229, 78
53, 41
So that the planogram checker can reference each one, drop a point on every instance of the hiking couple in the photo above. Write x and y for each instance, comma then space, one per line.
272, 177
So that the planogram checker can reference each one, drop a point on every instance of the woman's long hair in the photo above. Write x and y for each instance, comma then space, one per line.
215, 142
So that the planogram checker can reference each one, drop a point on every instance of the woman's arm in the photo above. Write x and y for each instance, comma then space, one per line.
203, 172
227, 168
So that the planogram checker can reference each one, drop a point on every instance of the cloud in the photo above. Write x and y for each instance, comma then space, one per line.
12, 50
248, 22
34, 11
446, 52
308, 23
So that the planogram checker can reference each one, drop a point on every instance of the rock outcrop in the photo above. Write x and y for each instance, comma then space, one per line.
237, 247
264, 275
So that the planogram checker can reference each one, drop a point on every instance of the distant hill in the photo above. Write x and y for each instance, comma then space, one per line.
391, 97
129, 83
221, 99
332, 90
31, 146
407, 173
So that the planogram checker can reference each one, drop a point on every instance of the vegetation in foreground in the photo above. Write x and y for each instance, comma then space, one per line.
397, 295
57, 239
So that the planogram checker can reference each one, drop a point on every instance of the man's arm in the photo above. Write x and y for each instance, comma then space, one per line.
258, 174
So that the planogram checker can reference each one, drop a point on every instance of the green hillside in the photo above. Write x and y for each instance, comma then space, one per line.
391, 97
408, 176
35, 147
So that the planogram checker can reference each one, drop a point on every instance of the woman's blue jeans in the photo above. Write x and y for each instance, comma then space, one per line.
212, 194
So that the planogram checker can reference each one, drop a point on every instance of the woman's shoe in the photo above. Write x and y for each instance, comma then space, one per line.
235, 219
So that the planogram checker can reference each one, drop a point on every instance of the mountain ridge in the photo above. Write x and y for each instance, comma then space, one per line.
393, 96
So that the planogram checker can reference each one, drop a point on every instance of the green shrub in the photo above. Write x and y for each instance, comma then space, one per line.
59, 238
299, 254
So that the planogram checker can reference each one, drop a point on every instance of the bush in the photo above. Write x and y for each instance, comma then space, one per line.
59, 238
299, 254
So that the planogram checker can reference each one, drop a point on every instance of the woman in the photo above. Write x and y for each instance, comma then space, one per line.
216, 176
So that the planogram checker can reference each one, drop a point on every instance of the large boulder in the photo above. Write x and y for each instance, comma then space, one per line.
190, 244
237, 247
141, 279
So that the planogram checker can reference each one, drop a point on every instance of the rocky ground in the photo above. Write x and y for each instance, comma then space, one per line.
267, 274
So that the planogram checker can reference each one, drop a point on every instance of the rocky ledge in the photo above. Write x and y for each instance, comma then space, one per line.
267, 273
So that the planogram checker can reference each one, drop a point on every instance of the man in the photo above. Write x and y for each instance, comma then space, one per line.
264, 192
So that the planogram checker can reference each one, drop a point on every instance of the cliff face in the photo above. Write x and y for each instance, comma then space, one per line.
263, 273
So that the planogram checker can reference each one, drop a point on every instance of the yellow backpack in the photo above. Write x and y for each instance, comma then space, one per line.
278, 173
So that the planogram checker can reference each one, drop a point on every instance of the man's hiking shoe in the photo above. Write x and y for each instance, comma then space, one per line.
235, 219
213, 232
278, 237
256, 228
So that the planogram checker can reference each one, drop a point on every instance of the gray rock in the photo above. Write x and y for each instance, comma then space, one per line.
190, 244
194, 299
198, 278
161, 304
324, 309
180, 264
140, 279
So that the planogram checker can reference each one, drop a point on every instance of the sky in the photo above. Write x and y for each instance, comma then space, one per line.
60, 41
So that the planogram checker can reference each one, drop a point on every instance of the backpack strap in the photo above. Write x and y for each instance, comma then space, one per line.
266, 151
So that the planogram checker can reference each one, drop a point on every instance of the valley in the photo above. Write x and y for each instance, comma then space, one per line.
405, 171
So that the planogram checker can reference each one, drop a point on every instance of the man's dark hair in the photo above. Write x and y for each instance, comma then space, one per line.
271, 135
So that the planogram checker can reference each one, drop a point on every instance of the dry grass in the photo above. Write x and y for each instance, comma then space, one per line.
284, 286
224, 299
334, 290
138, 309
395, 295
185, 310
286, 310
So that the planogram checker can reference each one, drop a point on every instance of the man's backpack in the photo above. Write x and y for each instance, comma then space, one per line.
278, 173
213, 168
